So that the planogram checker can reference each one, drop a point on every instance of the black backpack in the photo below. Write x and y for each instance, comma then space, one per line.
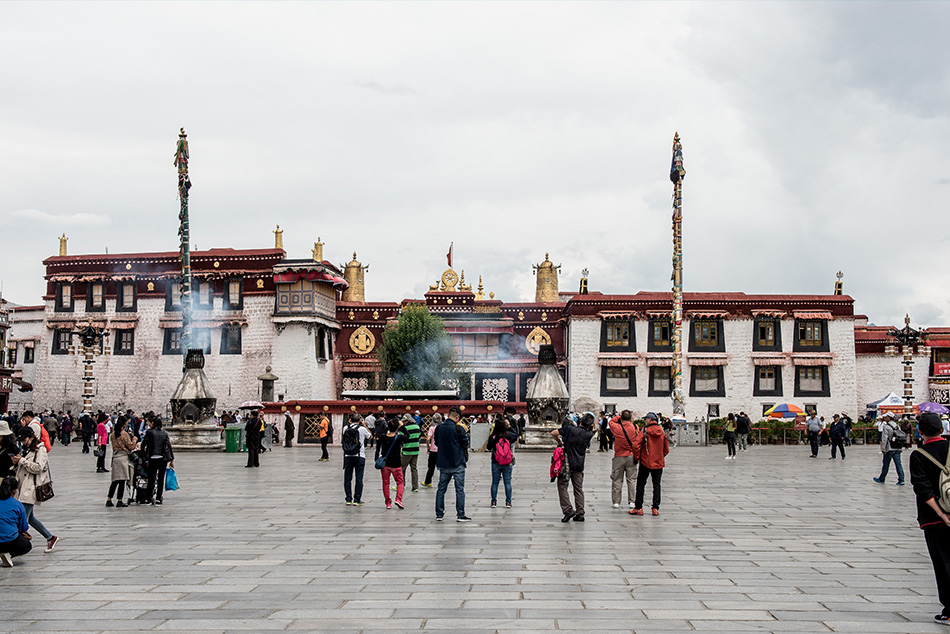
351, 440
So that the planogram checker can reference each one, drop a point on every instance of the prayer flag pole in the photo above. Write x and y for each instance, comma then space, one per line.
677, 174
184, 234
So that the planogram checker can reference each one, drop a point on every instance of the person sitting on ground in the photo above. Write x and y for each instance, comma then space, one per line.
14, 530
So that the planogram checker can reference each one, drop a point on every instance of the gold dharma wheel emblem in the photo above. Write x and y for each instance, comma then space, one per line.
535, 339
449, 279
362, 340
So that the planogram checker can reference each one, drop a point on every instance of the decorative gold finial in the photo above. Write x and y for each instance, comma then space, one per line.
491, 295
318, 250
480, 295
278, 238
906, 319
353, 273
839, 285
547, 288
62, 244
676, 137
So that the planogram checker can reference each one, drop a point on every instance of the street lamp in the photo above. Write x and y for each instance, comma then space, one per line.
91, 339
908, 338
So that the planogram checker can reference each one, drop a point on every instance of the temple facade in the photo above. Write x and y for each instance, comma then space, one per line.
308, 321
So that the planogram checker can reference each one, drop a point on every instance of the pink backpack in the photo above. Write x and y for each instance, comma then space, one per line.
503, 455
557, 463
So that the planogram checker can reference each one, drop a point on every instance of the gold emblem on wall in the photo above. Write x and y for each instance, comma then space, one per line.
375, 314
535, 339
151, 286
449, 279
352, 315
362, 340
260, 283
544, 316
520, 315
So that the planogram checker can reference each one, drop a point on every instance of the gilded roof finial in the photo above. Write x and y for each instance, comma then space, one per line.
278, 238
62, 244
318, 250
480, 295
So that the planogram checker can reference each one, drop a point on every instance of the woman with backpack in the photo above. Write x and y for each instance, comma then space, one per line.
157, 449
388, 448
500, 441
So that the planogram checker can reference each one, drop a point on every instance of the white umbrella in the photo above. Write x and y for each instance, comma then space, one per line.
251, 405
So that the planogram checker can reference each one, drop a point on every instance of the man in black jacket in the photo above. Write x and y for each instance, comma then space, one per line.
743, 427
933, 520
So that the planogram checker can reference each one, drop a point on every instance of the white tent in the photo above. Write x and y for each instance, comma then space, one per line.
891, 400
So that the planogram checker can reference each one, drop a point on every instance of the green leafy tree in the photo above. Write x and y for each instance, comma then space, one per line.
417, 353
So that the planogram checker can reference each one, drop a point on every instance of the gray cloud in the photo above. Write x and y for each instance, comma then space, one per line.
391, 89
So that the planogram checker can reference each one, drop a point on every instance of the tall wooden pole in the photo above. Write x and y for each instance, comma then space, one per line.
677, 174
184, 234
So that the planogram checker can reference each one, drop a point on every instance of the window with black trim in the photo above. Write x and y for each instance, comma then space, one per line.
321, 344
707, 381
233, 294
205, 302
62, 339
172, 341
661, 381
768, 380
124, 342
618, 382
811, 381
660, 335
767, 334
811, 335
705, 335
766, 407
617, 335
28, 355
230, 340
173, 296
95, 297
941, 355
64, 297
126, 300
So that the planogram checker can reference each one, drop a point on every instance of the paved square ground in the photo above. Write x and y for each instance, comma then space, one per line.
773, 542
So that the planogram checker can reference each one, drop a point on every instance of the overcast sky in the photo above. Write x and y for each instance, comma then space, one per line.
815, 138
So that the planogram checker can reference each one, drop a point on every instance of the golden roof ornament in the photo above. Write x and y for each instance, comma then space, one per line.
318, 250
278, 238
62, 244
462, 285
547, 290
480, 295
353, 274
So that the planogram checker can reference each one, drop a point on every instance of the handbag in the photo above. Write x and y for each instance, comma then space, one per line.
171, 480
99, 453
44, 492
381, 461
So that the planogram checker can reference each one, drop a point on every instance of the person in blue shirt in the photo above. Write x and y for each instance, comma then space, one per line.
14, 530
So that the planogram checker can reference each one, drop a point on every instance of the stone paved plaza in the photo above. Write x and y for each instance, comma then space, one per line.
773, 541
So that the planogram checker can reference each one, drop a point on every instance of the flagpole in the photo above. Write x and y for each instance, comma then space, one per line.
677, 174
184, 234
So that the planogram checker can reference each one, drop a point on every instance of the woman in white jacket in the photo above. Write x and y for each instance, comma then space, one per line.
32, 470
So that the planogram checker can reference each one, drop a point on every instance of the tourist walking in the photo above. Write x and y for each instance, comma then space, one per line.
410, 450
157, 449
452, 441
837, 433
87, 427
813, 429
627, 439
122, 473
729, 436
603, 432
653, 451
389, 446
324, 437
433, 449
575, 439
743, 428
892, 441
102, 439
32, 471
926, 465
66, 429
500, 441
288, 431
14, 527
253, 431
353, 439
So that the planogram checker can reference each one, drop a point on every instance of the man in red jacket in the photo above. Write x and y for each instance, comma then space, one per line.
653, 452
627, 441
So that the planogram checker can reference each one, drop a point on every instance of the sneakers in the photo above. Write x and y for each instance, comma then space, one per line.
438, 518
632, 505
428, 486
636, 512
878, 480
348, 503
464, 518
901, 483
567, 516
399, 505
415, 490
943, 619
616, 506
120, 504
389, 506
158, 502
832, 458
578, 518
8, 561
109, 504
507, 505
494, 504
656, 512
51, 544
358, 503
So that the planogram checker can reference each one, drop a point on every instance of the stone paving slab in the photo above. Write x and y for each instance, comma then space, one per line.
761, 544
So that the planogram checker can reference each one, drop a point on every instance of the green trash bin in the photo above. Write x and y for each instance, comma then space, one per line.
232, 440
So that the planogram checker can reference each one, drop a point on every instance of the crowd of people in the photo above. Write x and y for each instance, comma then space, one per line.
141, 451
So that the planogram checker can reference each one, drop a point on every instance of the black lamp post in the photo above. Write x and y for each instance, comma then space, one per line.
908, 338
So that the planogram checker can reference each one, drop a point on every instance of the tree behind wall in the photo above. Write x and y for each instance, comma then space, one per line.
417, 353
